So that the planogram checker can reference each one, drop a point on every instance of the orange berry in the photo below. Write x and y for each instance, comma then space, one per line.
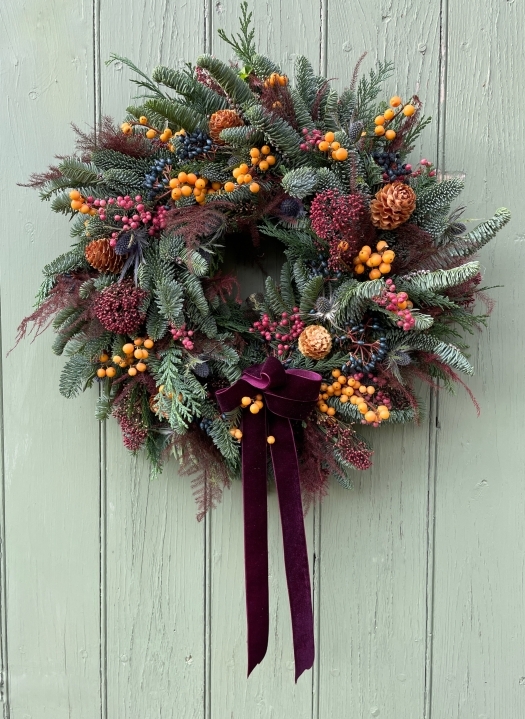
246, 401
330, 411
182, 177
74, 195
201, 184
255, 152
330, 391
263, 165
341, 379
186, 190
141, 367
336, 373
103, 357
150, 134
390, 134
362, 407
101, 372
117, 359
374, 274
359, 269
240, 179
380, 120
254, 408
402, 305
283, 80
265, 150
123, 364
236, 172
362, 388
243, 168
216, 185
388, 256
143, 120
247, 178
111, 372
270, 439
370, 389
229, 187
164, 137
254, 187
255, 161
324, 146
380, 130
323, 408
176, 193
76, 204
374, 260
128, 348
364, 253
138, 341
343, 398
349, 391
191, 178
147, 343
395, 101
336, 386
259, 403
384, 268
168, 133
381, 245
341, 154
329, 137
174, 182
84, 209
389, 114
237, 434
197, 192
371, 416
384, 414
126, 128
335, 145
132, 371
271, 160
145, 354
409, 110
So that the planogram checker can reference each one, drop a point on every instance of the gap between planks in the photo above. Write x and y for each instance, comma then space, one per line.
4, 677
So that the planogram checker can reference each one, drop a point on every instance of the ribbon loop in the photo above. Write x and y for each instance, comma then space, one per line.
288, 394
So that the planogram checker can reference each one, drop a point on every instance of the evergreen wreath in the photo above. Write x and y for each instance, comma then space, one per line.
377, 285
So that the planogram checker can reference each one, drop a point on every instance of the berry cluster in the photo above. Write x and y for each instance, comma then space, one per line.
236, 432
151, 133
380, 262
284, 331
181, 333
427, 166
156, 179
254, 403
132, 358
319, 268
365, 352
329, 144
276, 79
352, 389
312, 139
398, 303
206, 424
262, 158
383, 120
193, 145
391, 165
188, 184
353, 449
243, 177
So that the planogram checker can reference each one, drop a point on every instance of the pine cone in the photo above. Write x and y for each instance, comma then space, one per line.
221, 120
393, 205
315, 342
103, 257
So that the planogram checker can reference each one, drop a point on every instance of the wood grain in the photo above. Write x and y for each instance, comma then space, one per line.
373, 563
270, 690
480, 495
51, 470
155, 546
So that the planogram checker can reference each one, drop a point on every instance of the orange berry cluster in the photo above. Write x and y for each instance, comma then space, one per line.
349, 389
382, 120
262, 158
276, 79
132, 359
255, 405
79, 204
243, 177
188, 184
163, 135
380, 262
329, 144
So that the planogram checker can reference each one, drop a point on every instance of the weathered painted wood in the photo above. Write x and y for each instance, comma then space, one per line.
480, 494
282, 29
155, 547
373, 565
51, 470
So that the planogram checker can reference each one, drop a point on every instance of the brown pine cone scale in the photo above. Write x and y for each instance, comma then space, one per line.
221, 120
393, 205
103, 257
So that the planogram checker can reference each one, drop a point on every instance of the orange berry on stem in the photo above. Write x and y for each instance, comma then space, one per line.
395, 101
243, 168
254, 187
191, 178
359, 269
128, 348
76, 204
265, 150
380, 120
323, 146
380, 130
271, 160
371, 416
409, 110
389, 114
141, 367
254, 409
341, 154
186, 190
381, 245
150, 134
101, 372
74, 195
390, 134
329, 137
182, 177
143, 120
335, 145
255, 152
148, 344
229, 187
132, 371
111, 372
384, 268
374, 274
263, 165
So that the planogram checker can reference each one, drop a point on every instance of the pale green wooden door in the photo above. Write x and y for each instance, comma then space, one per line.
115, 602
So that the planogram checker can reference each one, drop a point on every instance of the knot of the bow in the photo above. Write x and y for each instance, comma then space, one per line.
288, 393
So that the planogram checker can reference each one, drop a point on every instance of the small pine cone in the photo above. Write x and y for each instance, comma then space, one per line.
221, 120
393, 205
315, 342
103, 257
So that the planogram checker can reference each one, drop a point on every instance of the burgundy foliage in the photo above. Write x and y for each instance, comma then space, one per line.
107, 136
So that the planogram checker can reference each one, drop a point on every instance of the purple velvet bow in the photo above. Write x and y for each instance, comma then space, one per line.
288, 394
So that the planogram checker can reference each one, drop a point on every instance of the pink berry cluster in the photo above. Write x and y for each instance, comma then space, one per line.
398, 303
425, 165
284, 330
351, 447
181, 333
311, 139
134, 213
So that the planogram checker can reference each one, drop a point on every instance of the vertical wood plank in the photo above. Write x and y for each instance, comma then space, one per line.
373, 566
282, 30
480, 495
155, 547
51, 468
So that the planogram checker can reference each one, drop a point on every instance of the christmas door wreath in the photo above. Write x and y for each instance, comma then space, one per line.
377, 282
